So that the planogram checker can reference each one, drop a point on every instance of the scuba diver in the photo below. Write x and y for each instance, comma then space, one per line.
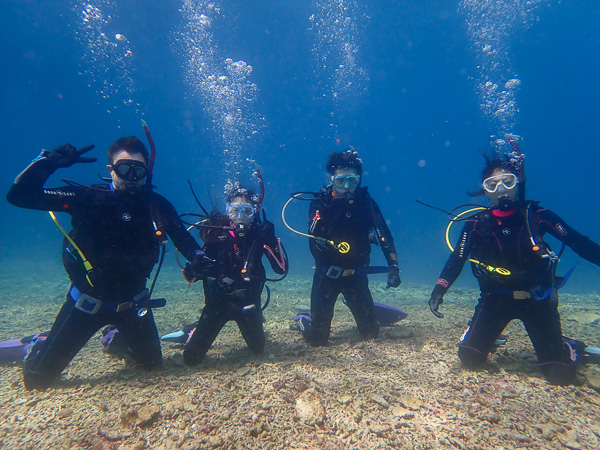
232, 272
341, 220
516, 270
117, 232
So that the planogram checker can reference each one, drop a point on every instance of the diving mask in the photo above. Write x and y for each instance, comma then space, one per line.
346, 181
130, 169
506, 180
240, 211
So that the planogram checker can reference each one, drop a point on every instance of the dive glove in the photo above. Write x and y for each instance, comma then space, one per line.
67, 155
267, 234
437, 298
199, 269
393, 278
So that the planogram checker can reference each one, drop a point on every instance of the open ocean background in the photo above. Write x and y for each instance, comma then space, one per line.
228, 85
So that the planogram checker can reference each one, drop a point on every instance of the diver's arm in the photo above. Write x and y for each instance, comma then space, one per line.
271, 246
457, 259
582, 245
386, 241
275, 257
452, 268
181, 238
28, 188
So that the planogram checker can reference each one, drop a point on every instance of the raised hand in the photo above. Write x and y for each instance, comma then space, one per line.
67, 155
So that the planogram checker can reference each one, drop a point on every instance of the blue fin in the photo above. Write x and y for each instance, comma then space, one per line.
388, 315
177, 336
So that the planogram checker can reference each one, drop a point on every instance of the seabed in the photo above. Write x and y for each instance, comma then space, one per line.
403, 390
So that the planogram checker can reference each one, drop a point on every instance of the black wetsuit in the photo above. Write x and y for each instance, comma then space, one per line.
115, 231
352, 221
230, 293
528, 294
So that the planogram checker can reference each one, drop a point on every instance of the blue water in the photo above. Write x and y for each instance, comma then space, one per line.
408, 99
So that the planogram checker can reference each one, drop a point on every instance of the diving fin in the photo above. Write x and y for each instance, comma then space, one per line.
180, 337
388, 315
15, 350
591, 355
177, 336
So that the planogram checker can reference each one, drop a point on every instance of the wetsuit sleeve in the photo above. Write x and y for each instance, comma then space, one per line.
274, 252
28, 189
181, 238
457, 259
549, 222
386, 241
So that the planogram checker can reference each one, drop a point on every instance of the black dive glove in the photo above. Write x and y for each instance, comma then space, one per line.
393, 278
437, 298
199, 269
67, 155
267, 231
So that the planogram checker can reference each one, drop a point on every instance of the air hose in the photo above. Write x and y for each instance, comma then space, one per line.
496, 270
342, 247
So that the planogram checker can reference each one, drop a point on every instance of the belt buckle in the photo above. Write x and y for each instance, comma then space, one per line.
348, 272
85, 301
124, 306
139, 297
334, 272
521, 295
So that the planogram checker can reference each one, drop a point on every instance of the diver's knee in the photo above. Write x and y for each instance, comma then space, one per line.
558, 373
192, 357
370, 331
257, 346
152, 363
36, 380
470, 357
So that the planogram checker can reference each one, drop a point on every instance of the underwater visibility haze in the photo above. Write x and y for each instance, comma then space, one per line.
416, 88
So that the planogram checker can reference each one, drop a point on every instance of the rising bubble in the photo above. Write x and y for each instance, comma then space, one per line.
491, 26
336, 25
106, 61
221, 84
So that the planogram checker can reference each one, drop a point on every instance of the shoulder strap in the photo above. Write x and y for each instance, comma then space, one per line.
158, 221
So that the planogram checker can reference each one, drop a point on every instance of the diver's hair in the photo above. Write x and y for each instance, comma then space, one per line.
344, 160
238, 190
129, 143
498, 161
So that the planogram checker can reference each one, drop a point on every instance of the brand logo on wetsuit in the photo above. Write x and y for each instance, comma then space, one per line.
506, 231
462, 245
59, 193
126, 217
560, 229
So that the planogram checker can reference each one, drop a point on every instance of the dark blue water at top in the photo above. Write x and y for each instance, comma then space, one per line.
418, 124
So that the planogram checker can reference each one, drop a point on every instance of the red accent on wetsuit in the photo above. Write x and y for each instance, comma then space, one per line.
498, 213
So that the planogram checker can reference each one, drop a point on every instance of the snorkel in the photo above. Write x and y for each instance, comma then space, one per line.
152, 155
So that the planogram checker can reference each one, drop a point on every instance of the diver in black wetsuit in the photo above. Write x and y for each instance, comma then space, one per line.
510, 236
345, 212
109, 255
233, 274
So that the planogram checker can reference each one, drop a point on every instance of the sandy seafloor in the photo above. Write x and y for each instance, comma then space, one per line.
403, 390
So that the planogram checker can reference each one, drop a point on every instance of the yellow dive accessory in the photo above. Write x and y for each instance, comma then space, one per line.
497, 270
342, 247
86, 263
